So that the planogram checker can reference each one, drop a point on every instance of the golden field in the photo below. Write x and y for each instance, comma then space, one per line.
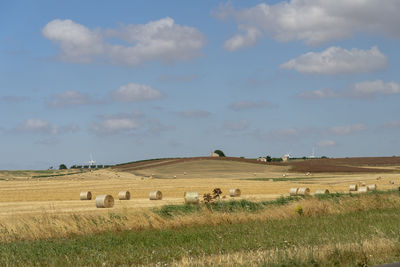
22, 194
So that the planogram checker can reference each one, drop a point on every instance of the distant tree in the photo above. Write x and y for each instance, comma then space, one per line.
269, 159
219, 152
62, 167
324, 157
86, 166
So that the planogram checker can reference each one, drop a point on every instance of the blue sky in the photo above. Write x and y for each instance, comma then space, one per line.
131, 80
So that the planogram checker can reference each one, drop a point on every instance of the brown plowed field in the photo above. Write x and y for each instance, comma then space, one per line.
337, 165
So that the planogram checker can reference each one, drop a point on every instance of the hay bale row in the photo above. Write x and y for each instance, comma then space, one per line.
86, 195
124, 195
293, 191
155, 195
191, 197
104, 201
363, 189
321, 192
353, 187
300, 191
235, 192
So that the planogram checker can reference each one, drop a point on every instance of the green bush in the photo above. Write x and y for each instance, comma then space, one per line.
219, 152
62, 167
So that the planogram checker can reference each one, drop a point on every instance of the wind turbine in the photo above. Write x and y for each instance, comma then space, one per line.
91, 161
313, 153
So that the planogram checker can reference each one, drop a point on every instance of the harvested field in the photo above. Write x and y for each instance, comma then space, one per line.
343, 165
260, 181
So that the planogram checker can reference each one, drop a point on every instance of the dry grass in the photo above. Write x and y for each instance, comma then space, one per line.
362, 252
48, 225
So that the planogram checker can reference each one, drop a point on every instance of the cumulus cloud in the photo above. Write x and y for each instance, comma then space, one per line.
68, 99
249, 38
134, 123
319, 94
194, 114
116, 124
160, 40
133, 92
312, 21
373, 88
326, 143
77, 42
238, 125
348, 129
361, 90
243, 105
336, 60
34, 125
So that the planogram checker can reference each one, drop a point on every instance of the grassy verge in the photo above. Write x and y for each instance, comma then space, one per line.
357, 238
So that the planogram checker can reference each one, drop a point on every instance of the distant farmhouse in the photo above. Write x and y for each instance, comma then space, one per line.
214, 155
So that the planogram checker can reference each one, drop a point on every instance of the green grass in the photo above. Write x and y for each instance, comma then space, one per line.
243, 205
163, 246
173, 210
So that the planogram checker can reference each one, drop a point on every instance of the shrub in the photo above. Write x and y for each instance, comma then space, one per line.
62, 167
219, 152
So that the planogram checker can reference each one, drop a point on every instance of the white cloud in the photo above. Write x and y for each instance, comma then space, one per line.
77, 42
133, 92
361, 90
68, 99
239, 125
160, 40
313, 21
319, 94
116, 124
240, 40
243, 105
194, 114
373, 88
336, 60
326, 143
348, 129
34, 125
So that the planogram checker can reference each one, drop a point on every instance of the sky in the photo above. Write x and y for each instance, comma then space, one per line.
131, 80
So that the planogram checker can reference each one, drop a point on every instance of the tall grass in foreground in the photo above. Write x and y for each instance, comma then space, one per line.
365, 237
48, 225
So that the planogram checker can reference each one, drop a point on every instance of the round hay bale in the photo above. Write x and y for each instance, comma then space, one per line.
293, 191
322, 192
155, 195
86, 195
363, 189
191, 197
371, 187
235, 192
303, 191
353, 187
124, 195
104, 201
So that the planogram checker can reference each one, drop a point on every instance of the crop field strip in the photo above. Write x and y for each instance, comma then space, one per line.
327, 234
